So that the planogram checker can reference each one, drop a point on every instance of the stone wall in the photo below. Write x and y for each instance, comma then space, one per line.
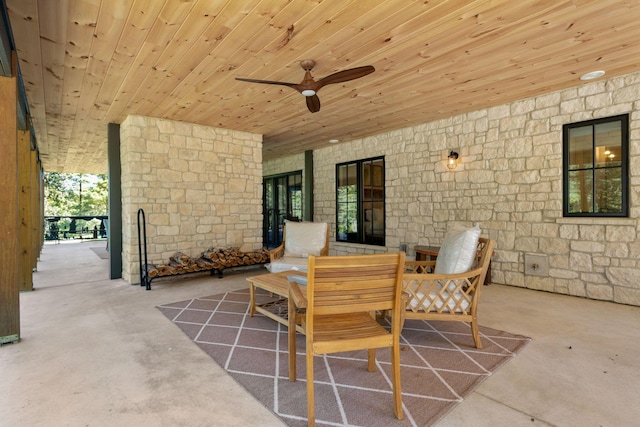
284, 164
199, 186
509, 179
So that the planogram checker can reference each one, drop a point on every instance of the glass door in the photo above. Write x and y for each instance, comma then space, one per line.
282, 200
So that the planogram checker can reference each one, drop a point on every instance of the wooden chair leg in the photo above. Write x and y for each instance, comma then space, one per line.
475, 333
405, 301
310, 397
397, 387
291, 313
252, 300
371, 365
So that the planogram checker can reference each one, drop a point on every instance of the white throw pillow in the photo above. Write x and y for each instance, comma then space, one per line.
304, 238
458, 250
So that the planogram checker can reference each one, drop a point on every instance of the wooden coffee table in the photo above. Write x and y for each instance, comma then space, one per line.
277, 284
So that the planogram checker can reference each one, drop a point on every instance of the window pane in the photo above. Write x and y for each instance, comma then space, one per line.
347, 203
581, 147
378, 173
295, 197
374, 223
608, 137
609, 190
580, 191
366, 174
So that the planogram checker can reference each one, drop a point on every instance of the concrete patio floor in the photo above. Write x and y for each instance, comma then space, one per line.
96, 352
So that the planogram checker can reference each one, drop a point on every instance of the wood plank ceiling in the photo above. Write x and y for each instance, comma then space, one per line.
86, 63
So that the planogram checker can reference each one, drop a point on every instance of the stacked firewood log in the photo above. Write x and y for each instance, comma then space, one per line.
211, 259
232, 257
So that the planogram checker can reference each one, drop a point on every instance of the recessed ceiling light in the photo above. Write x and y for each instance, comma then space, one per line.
592, 75
334, 141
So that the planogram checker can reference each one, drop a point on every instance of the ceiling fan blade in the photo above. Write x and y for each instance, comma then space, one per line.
313, 103
269, 82
346, 75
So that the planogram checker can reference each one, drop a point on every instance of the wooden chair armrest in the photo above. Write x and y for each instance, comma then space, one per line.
296, 295
276, 253
444, 277
325, 251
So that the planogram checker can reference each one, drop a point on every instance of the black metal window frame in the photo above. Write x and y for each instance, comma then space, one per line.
623, 119
368, 196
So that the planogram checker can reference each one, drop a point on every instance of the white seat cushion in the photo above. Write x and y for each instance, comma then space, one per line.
288, 263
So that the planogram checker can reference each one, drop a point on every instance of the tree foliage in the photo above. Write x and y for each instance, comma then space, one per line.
75, 194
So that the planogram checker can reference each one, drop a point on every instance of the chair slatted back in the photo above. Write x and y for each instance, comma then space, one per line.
354, 283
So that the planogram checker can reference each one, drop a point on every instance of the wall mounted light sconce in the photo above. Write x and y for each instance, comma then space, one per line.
453, 160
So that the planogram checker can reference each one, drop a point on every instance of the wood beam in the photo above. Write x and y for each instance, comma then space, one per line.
37, 209
25, 276
308, 185
115, 203
9, 289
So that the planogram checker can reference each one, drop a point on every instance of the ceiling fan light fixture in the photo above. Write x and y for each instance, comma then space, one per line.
592, 75
308, 92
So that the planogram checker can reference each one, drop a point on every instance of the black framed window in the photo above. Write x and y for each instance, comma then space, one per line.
595, 167
360, 207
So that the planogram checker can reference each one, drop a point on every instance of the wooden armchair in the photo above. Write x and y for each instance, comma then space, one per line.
341, 296
299, 241
447, 296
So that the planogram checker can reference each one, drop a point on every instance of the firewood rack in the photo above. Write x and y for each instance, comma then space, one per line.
142, 242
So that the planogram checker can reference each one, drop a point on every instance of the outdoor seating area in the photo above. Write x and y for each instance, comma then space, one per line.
337, 302
65, 227
364, 214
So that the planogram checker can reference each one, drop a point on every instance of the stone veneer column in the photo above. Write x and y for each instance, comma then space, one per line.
199, 186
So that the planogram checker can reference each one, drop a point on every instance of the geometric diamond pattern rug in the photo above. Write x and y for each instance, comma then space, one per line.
101, 251
440, 365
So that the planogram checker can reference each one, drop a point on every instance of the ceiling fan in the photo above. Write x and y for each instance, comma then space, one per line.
309, 87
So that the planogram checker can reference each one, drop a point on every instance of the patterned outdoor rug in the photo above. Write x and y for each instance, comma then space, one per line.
100, 251
440, 365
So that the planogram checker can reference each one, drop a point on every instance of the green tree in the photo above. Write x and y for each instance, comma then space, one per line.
75, 194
